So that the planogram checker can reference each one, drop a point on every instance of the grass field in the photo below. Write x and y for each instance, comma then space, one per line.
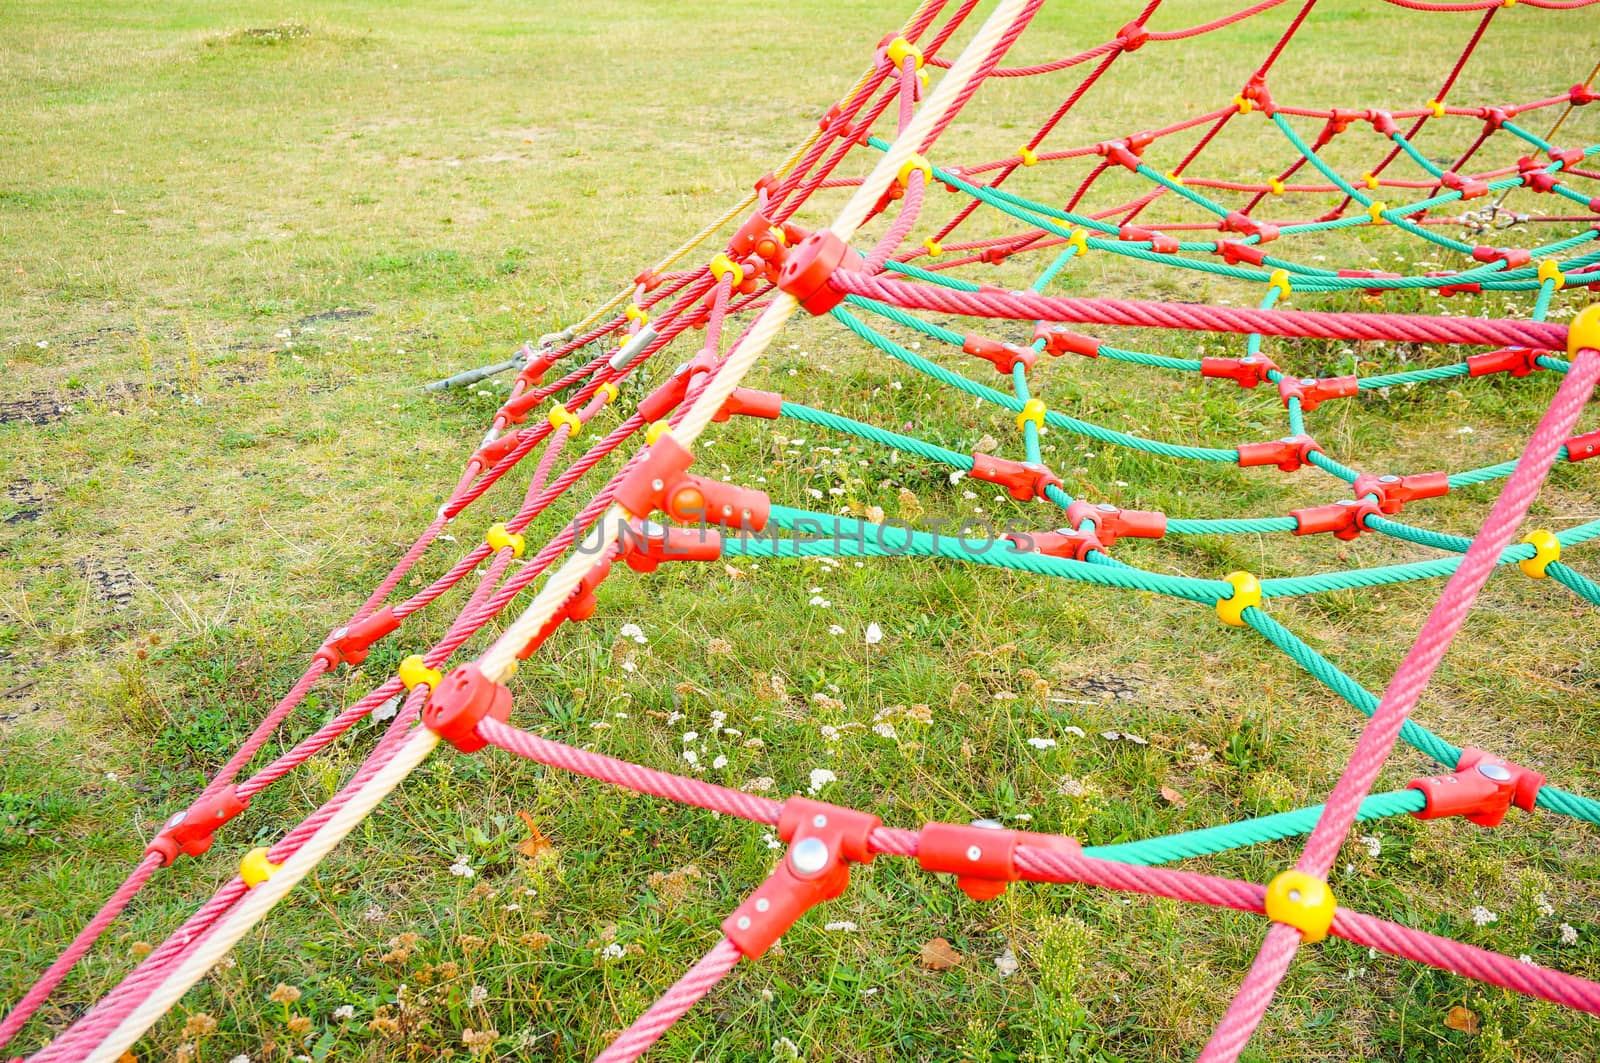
236, 238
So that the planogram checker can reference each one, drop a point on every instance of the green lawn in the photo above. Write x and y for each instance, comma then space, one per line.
236, 239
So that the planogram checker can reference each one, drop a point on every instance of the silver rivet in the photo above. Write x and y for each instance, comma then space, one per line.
819, 820
1308, 380
762, 904
809, 855
658, 484
1105, 507
1389, 478
1497, 772
1294, 895
974, 853
744, 922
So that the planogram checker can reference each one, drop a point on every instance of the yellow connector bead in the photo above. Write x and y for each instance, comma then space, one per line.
935, 248
414, 670
1245, 106
1302, 901
722, 264
1280, 280
1375, 211
1175, 177
1547, 549
1584, 331
1028, 156
899, 48
1080, 240
916, 162
609, 390
1369, 179
656, 430
1032, 410
1550, 270
560, 415
255, 868
499, 538
634, 312
1436, 108
1246, 593
1275, 186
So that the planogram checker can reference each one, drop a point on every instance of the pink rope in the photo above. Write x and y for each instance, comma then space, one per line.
696, 982
1378, 737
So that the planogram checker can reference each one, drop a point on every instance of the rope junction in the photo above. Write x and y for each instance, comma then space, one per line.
770, 267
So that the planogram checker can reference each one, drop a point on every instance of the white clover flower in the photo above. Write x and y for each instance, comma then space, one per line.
1042, 743
874, 634
613, 951
634, 632
1569, 934
1482, 916
461, 869
821, 777
343, 1013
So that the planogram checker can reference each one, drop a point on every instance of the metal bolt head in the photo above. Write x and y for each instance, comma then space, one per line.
974, 853
1497, 772
762, 904
744, 922
1389, 478
1105, 507
819, 820
1308, 380
809, 855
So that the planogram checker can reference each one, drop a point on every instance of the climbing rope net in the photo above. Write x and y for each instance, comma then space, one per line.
654, 510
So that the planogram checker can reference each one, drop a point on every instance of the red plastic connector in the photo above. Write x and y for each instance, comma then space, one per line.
1483, 788
1534, 175
824, 840
1111, 523
1255, 90
808, 267
1470, 188
493, 452
1063, 542
648, 279
194, 829
1518, 361
666, 398
1511, 256
1581, 94
1495, 117
1313, 392
1024, 480
661, 482
1585, 446
1567, 157
1465, 288
982, 855
1003, 356
581, 605
644, 545
1346, 519
1119, 152
1288, 453
1060, 341
1246, 372
350, 645
754, 235
1160, 243
1395, 491
1383, 122
1132, 37
535, 364
747, 402
464, 697
1234, 252
1237, 221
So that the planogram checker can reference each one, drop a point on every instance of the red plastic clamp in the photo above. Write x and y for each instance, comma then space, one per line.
1466, 288
535, 364
648, 279
1063, 542
1579, 95
747, 402
808, 267
750, 236
1132, 37
1470, 188
492, 452
1383, 122
982, 855
1119, 152
1237, 221
1024, 480
1060, 341
1313, 392
1395, 491
1518, 361
1246, 372
1511, 256
1584, 446
1368, 273
1255, 90
824, 840
1345, 519
1567, 157
1534, 175
1160, 243
1343, 117
1495, 117
645, 544
464, 697
1111, 523
1003, 356
661, 482
666, 398
580, 606
1482, 789
194, 829
1288, 453
350, 645
1234, 252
